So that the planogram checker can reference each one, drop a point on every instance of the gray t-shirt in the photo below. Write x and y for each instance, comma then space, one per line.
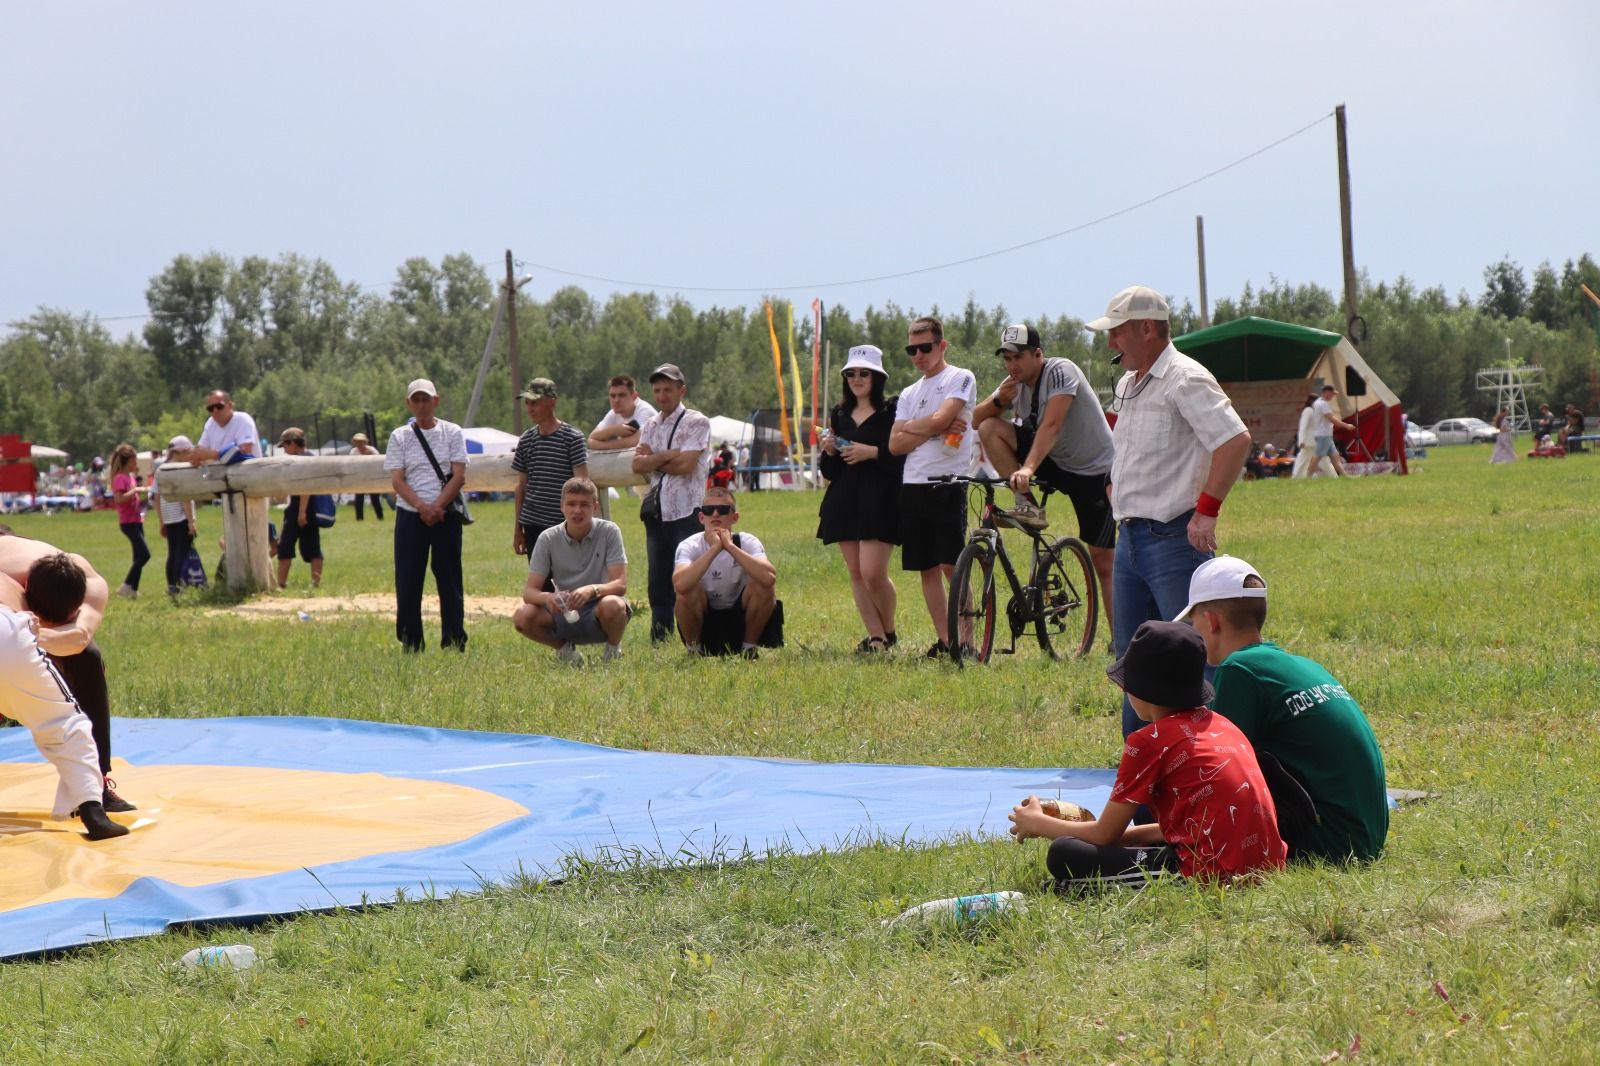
1084, 444
571, 564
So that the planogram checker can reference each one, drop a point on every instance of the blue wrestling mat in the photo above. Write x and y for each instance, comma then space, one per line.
245, 818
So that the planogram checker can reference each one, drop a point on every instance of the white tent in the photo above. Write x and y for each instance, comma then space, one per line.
736, 432
41, 452
486, 440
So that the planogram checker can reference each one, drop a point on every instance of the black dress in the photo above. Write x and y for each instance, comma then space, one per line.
862, 501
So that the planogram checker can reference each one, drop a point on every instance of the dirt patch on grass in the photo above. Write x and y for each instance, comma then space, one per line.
366, 603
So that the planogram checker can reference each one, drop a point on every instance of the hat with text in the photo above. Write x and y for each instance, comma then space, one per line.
180, 443
865, 356
1165, 664
1018, 338
538, 389
669, 371
1222, 578
422, 385
1132, 303
292, 435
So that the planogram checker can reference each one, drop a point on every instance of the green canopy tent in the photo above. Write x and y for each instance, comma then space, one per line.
1267, 368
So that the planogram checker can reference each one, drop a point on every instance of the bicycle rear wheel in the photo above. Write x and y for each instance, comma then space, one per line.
971, 624
1067, 608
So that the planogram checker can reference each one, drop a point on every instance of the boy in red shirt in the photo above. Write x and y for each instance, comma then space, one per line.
1214, 816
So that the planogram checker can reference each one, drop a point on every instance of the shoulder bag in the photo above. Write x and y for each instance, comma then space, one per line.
650, 506
458, 506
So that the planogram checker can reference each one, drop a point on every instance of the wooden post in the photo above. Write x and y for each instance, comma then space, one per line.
1350, 310
511, 337
1200, 250
248, 553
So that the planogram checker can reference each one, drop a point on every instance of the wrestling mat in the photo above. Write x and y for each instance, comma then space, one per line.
244, 818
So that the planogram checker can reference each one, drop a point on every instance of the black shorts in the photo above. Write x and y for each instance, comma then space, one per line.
933, 525
308, 536
1096, 527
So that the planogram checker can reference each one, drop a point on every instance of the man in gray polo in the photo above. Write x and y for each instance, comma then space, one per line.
577, 585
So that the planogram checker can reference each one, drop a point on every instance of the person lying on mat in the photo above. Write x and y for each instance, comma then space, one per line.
68, 597
1215, 818
726, 586
1296, 715
32, 692
577, 585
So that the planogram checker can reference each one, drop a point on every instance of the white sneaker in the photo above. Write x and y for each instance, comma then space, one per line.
127, 591
613, 652
568, 653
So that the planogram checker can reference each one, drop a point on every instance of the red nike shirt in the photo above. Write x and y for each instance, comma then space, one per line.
1200, 776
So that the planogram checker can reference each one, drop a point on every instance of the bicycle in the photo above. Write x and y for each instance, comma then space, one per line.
1061, 600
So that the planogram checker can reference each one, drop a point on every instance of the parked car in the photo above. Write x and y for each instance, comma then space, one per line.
1420, 436
1464, 431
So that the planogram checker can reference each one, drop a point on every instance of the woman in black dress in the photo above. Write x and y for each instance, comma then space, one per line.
859, 511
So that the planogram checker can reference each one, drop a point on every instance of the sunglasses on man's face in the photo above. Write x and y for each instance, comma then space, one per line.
709, 509
924, 348
852, 374
210, 407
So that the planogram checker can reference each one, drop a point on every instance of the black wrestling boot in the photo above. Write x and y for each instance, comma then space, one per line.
95, 823
113, 802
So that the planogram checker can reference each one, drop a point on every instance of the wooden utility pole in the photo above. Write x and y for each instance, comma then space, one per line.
1200, 250
1351, 314
511, 337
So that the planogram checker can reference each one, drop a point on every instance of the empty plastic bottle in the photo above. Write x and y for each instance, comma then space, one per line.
963, 909
221, 957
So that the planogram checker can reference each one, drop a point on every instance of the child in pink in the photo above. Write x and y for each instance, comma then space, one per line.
125, 490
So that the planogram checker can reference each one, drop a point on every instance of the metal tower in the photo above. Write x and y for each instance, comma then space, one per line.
1509, 385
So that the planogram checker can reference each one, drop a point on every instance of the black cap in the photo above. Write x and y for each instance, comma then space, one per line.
1165, 665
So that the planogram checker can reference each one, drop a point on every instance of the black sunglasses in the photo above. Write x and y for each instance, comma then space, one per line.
857, 374
921, 349
716, 508
214, 407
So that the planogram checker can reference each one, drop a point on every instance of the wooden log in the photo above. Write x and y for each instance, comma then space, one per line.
248, 552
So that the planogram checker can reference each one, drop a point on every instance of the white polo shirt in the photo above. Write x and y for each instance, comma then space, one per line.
1167, 427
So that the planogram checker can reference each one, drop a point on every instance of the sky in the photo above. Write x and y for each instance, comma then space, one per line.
794, 149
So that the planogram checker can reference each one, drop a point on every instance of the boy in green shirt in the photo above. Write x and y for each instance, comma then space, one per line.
1293, 710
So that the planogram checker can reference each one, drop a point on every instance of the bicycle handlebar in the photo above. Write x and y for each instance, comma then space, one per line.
973, 479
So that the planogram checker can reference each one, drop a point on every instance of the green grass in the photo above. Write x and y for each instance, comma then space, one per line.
1457, 604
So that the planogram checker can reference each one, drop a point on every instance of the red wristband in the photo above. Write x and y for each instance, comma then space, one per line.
1208, 505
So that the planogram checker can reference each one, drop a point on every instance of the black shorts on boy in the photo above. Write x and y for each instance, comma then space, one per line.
1090, 500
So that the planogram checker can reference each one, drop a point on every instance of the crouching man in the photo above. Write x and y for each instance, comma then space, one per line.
726, 586
577, 580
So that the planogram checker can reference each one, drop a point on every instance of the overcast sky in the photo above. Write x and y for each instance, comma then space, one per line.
774, 147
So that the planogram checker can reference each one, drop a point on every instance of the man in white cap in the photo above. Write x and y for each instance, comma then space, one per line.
674, 451
1180, 446
427, 464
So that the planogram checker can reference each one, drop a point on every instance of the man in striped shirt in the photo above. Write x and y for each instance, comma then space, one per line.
549, 453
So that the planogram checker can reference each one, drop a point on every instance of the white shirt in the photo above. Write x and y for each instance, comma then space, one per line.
406, 454
933, 457
725, 579
1323, 410
240, 430
680, 493
1308, 426
1168, 426
641, 414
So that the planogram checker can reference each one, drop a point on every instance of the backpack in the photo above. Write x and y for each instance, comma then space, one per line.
324, 511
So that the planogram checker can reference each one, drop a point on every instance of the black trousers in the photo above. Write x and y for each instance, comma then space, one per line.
377, 505
178, 544
85, 677
661, 540
414, 544
1078, 865
134, 531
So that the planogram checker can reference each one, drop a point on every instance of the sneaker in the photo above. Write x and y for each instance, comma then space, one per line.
968, 653
568, 653
937, 651
127, 591
694, 650
1028, 515
612, 654
113, 802
749, 653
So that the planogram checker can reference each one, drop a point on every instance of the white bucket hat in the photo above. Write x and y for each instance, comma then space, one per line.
865, 355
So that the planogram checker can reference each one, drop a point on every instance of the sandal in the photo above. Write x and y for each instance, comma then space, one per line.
872, 646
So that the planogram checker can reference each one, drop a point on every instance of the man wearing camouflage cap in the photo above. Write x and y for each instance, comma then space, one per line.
548, 454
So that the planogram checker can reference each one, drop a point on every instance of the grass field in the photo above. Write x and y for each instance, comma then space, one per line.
1458, 605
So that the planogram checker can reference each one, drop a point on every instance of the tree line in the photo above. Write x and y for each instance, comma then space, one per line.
294, 342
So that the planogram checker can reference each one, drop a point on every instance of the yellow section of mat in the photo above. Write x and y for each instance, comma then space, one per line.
199, 825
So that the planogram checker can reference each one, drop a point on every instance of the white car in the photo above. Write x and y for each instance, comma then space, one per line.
1420, 436
1464, 431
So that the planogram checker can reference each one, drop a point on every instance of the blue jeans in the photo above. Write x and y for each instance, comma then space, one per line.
1150, 582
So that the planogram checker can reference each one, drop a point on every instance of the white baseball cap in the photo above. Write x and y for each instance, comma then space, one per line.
421, 385
1131, 303
1222, 578
865, 355
180, 443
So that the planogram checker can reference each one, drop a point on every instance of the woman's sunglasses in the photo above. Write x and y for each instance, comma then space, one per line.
850, 374
716, 508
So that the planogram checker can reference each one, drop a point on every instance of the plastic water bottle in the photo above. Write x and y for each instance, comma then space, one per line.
221, 957
304, 616
963, 909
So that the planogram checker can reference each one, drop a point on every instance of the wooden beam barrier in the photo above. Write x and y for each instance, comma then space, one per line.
246, 487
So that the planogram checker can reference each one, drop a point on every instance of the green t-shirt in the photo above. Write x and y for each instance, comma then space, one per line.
1293, 708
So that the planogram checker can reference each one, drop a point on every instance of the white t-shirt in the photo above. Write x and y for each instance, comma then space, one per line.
1308, 426
240, 430
935, 458
1324, 410
406, 454
725, 580
641, 414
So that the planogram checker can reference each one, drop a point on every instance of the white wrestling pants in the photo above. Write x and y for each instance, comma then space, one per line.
33, 693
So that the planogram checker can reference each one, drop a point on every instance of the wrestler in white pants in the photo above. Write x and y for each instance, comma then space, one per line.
33, 693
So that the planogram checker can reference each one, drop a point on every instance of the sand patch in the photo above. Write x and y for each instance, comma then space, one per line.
365, 603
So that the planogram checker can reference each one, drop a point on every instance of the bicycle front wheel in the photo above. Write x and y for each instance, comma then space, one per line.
971, 625
1067, 605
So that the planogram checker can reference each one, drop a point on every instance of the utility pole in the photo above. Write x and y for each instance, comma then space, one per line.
511, 336
1353, 322
1200, 250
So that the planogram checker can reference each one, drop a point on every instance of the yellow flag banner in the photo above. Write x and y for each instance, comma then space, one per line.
794, 376
777, 370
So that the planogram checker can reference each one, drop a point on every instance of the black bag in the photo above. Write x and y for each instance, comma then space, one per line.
650, 506
772, 632
458, 506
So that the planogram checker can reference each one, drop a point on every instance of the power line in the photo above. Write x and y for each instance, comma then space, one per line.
954, 262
